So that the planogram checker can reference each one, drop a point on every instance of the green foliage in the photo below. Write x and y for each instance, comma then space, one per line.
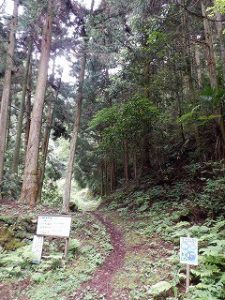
50, 193
54, 277
210, 271
165, 219
160, 288
194, 116
127, 120
14, 264
219, 6
156, 37
74, 245
213, 195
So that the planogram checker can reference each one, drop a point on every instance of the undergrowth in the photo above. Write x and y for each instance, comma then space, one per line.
55, 277
170, 211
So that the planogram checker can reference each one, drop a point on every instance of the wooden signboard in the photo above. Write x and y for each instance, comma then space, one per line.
54, 225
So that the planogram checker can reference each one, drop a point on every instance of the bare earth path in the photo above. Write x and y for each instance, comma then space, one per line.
100, 281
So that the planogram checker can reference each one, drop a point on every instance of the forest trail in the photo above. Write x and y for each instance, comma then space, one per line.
134, 263
100, 283
115, 258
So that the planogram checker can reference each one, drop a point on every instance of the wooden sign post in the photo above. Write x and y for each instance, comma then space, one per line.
37, 249
57, 226
188, 255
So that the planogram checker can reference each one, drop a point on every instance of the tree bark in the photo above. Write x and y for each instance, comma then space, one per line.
198, 66
6, 88
212, 69
210, 51
126, 161
102, 179
44, 150
106, 175
135, 164
73, 143
112, 175
30, 178
191, 91
21, 112
28, 107
219, 27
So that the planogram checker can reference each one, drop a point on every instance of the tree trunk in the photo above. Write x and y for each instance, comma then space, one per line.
106, 176
210, 51
126, 161
6, 88
198, 66
21, 112
102, 179
112, 175
191, 91
212, 69
135, 164
45, 143
28, 107
76, 128
219, 27
30, 178
73, 143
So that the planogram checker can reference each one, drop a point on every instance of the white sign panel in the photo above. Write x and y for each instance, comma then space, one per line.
189, 250
54, 226
37, 248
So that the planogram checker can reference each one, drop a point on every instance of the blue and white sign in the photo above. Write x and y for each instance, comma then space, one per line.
189, 251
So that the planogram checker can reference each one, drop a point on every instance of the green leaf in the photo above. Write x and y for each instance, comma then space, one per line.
160, 287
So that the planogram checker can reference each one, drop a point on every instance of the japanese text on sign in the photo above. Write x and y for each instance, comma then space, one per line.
58, 226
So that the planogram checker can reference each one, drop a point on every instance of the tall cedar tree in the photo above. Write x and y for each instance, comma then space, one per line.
29, 190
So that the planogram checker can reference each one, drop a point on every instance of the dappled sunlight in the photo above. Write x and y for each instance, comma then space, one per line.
85, 200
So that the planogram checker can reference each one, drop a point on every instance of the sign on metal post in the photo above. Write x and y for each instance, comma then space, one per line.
188, 255
37, 248
189, 250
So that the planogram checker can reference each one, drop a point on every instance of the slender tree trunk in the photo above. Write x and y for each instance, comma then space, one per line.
30, 178
44, 151
112, 175
28, 107
135, 164
191, 92
102, 179
21, 112
219, 27
126, 161
6, 88
210, 50
198, 66
106, 176
73, 143
177, 95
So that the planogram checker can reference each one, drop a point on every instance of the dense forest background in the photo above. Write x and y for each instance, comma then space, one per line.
114, 92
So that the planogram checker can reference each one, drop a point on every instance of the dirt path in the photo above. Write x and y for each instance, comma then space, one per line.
101, 281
